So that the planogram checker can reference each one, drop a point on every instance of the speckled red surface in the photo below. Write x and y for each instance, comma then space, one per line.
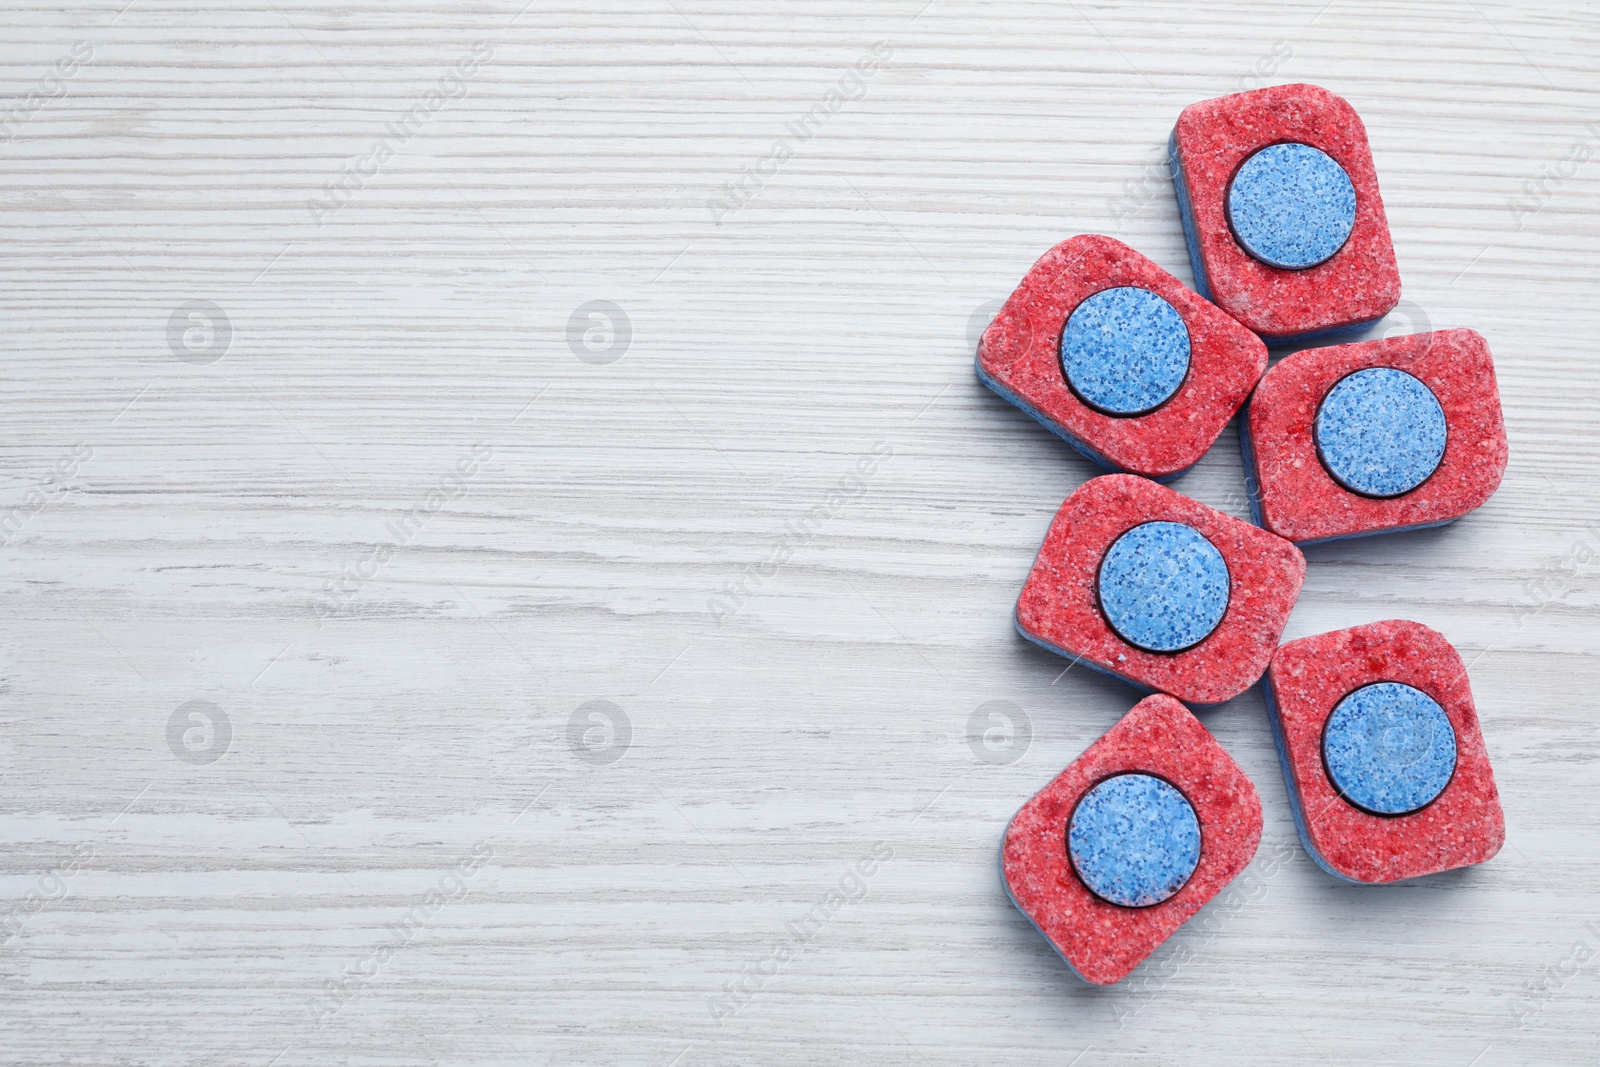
1020, 357
1213, 139
1463, 826
1296, 496
1059, 605
1102, 942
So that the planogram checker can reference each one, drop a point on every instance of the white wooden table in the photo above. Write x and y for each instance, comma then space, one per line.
309, 416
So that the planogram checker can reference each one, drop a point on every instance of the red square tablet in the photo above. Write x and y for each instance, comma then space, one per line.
1073, 834
1279, 201
1379, 739
1373, 437
1147, 585
1119, 358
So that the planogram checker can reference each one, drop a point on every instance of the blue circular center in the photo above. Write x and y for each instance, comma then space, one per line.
1125, 351
1163, 587
1291, 206
1134, 840
1380, 432
1389, 748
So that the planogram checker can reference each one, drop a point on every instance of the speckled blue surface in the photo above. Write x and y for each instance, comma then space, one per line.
1380, 432
1163, 587
1197, 263
1134, 840
1389, 748
1125, 351
1291, 206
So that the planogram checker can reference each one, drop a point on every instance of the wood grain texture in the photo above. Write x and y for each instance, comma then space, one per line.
175, 529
